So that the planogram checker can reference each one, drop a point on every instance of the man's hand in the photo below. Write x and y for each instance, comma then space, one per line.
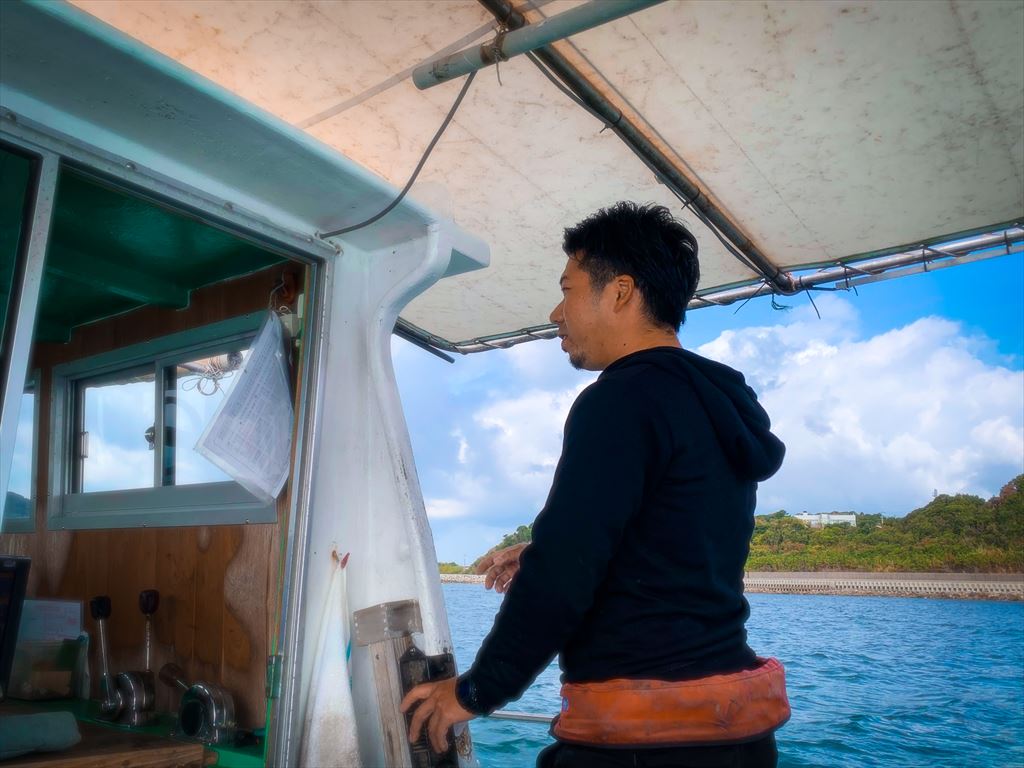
438, 708
501, 566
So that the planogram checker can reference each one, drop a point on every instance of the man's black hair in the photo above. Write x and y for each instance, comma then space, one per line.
645, 242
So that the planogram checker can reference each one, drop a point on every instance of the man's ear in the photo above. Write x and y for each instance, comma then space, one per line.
625, 291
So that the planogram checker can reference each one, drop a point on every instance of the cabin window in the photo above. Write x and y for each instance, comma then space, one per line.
194, 388
127, 424
19, 509
115, 416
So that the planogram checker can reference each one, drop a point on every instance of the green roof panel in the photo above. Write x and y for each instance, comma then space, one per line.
111, 251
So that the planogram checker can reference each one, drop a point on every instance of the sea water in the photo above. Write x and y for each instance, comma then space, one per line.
873, 681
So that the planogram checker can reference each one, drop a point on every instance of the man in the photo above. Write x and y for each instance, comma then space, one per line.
635, 572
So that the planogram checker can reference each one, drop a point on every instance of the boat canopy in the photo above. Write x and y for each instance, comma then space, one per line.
797, 139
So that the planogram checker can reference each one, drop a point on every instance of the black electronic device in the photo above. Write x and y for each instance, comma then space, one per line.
13, 581
416, 668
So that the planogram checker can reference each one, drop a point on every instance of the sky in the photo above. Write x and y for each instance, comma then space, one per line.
912, 386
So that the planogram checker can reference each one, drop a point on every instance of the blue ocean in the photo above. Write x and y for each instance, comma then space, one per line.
873, 681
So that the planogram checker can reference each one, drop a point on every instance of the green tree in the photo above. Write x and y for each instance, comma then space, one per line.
521, 535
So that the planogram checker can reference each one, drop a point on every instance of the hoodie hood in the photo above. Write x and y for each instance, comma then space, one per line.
742, 425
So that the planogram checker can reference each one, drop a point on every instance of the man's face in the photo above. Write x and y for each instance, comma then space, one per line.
582, 318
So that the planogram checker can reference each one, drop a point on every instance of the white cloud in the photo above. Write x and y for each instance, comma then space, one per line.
877, 424
463, 454
526, 435
111, 467
469, 498
446, 509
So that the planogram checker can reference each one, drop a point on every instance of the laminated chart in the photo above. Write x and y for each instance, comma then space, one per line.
249, 437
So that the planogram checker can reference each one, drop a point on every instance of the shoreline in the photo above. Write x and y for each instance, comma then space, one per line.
958, 586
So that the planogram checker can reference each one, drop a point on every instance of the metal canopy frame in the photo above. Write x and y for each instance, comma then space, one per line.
842, 276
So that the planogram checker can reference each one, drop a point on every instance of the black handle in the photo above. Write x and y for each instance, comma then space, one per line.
173, 675
149, 601
99, 607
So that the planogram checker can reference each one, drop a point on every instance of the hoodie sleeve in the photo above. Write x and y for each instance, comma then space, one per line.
609, 454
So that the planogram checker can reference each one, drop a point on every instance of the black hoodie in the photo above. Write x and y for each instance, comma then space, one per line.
636, 565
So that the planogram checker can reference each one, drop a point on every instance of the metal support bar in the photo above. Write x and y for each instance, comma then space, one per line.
25, 291
841, 277
527, 38
644, 148
404, 331
521, 717
284, 727
1008, 238
926, 266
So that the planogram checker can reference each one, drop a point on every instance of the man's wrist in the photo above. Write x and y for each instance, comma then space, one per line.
466, 695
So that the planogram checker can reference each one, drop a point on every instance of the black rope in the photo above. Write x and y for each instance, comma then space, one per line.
754, 295
415, 173
812, 303
689, 204
562, 87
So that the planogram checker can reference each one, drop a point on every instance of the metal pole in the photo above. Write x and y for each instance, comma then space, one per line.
522, 717
285, 730
528, 38
26, 293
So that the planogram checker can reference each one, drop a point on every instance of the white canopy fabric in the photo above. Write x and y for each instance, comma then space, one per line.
825, 131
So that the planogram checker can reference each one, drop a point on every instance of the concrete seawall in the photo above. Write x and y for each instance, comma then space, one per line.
979, 586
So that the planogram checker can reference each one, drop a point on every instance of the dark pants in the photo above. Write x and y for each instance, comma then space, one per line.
755, 754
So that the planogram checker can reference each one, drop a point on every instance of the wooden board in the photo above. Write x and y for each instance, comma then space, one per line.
219, 589
105, 747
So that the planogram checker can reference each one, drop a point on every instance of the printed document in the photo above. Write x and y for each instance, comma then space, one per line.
250, 435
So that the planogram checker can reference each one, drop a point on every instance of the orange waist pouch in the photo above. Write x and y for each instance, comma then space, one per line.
720, 709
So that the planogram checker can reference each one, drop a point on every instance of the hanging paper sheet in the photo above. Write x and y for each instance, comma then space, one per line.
250, 435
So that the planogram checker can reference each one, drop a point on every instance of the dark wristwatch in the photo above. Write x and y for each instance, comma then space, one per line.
465, 693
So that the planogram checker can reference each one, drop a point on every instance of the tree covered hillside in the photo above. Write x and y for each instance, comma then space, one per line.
951, 533
960, 533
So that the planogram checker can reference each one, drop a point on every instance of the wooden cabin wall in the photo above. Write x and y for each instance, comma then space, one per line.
218, 585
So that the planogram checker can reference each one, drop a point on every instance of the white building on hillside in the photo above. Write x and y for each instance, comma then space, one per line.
827, 518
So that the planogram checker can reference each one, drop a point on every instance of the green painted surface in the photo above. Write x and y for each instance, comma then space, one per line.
111, 252
88, 712
14, 175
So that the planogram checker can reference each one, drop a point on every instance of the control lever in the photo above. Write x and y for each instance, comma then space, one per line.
173, 676
149, 601
130, 698
111, 706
